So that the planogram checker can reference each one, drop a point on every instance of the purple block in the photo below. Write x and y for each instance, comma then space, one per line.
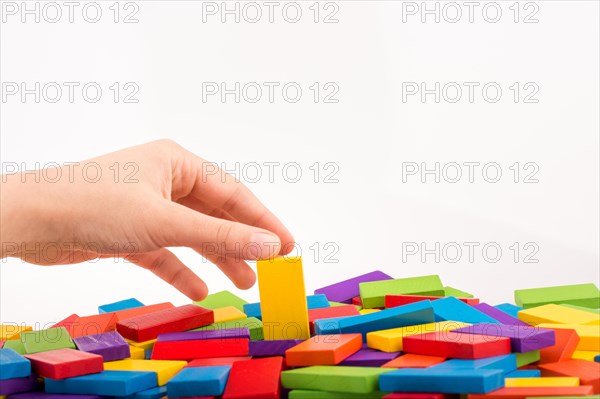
15, 385
367, 357
499, 315
110, 345
345, 290
272, 348
223, 333
44, 395
522, 338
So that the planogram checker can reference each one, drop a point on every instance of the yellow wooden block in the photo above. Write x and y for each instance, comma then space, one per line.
558, 315
12, 331
589, 336
585, 355
391, 340
136, 353
283, 298
164, 369
541, 382
146, 345
228, 313
367, 311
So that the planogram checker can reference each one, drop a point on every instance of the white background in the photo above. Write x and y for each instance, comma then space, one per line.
368, 135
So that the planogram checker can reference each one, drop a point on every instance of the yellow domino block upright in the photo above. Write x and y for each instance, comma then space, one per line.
391, 340
228, 313
164, 369
558, 314
589, 336
283, 298
541, 382
12, 331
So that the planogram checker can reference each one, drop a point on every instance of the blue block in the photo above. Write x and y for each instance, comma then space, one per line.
198, 381
524, 374
509, 308
152, 393
441, 380
148, 354
108, 382
506, 363
120, 305
13, 365
400, 316
453, 309
597, 358
313, 301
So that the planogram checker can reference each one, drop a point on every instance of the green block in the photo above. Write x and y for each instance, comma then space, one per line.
358, 380
46, 340
254, 324
16, 345
373, 293
220, 300
449, 291
332, 304
302, 394
595, 311
586, 295
525, 358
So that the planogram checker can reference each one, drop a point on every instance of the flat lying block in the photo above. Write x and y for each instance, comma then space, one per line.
120, 305
565, 343
455, 292
510, 309
228, 313
589, 336
217, 361
391, 340
525, 358
145, 345
304, 394
397, 395
330, 312
552, 313
586, 295
367, 357
225, 333
272, 348
522, 338
150, 326
44, 395
323, 350
12, 331
373, 293
13, 365
46, 340
152, 393
164, 369
90, 325
21, 384
202, 348
109, 383
111, 345
451, 308
65, 363
222, 299
520, 393
506, 363
456, 345
542, 382
585, 355
345, 290
198, 381
523, 374
16, 345
442, 380
255, 378
67, 321
587, 372
392, 301
412, 361
251, 323
358, 380
499, 315
142, 310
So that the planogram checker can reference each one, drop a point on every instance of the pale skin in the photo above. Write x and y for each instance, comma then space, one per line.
174, 199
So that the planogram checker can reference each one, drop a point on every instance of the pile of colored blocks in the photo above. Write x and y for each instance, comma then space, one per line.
371, 336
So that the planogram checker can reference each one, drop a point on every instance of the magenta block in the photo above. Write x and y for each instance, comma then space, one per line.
345, 290
367, 357
111, 345
16, 385
522, 338
272, 348
497, 314
223, 333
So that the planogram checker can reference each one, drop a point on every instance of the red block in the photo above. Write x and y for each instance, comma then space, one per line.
91, 325
327, 313
391, 301
64, 363
129, 313
565, 344
255, 379
2, 343
149, 326
66, 323
201, 348
588, 372
217, 361
455, 345
420, 396
357, 301
523, 393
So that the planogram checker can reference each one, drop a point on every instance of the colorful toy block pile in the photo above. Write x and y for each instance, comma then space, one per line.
371, 336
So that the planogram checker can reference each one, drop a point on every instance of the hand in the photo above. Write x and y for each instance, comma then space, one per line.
164, 196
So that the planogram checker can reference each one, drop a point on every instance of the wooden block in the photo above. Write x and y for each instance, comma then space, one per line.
412, 361
305, 394
164, 369
272, 348
12, 331
199, 381
557, 314
198, 349
586, 295
589, 336
442, 380
449, 291
16, 345
522, 338
21, 384
228, 313
373, 293
542, 382
120, 305
111, 345
451, 308
328, 313
45, 340
65, 363
585, 355
368, 311
397, 395
283, 298
591, 310
391, 340
565, 343
312, 302
222, 299
357, 301
152, 393
109, 383
523, 374
587, 372
228, 333
150, 326
135, 352
217, 361
509, 308
358, 380
142, 310
506, 363
530, 392
67, 322
456, 345
525, 358
145, 345
13, 365
367, 357
252, 323
91, 325
255, 379
44, 395
345, 290
499, 315
323, 350
392, 301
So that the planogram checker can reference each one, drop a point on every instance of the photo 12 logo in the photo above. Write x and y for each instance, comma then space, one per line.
53, 12
253, 12
469, 92
70, 92
270, 92
469, 172
453, 12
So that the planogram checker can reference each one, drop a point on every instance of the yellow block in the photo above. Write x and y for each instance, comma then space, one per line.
136, 353
12, 331
144, 345
585, 355
228, 313
391, 340
589, 336
541, 382
367, 311
558, 315
283, 298
164, 369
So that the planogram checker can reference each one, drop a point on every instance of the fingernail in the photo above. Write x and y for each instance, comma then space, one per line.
263, 245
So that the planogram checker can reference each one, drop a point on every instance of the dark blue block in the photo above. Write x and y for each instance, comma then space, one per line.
441, 380
108, 382
21, 384
198, 381
506, 363
13, 365
120, 305
453, 309
509, 308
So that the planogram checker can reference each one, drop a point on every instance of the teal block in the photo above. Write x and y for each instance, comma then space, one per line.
506, 363
13, 365
108, 382
524, 374
509, 308
442, 380
120, 305
152, 393
198, 381
452, 309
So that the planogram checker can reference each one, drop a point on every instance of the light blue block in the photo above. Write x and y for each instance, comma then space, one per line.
317, 301
198, 381
13, 365
120, 305
400, 316
506, 363
509, 308
108, 382
152, 393
524, 374
453, 309
441, 380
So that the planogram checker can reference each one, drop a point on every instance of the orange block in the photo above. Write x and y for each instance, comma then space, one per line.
410, 360
323, 350
588, 372
566, 342
129, 313
531, 392
90, 325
